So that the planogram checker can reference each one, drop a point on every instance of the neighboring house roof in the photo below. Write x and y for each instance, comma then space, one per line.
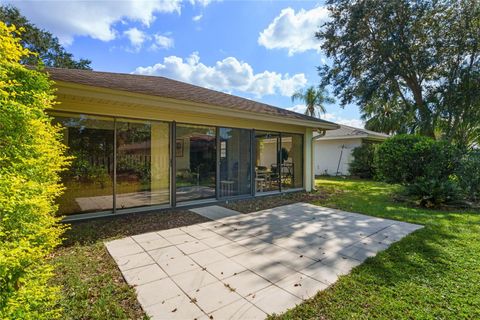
168, 88
347, 132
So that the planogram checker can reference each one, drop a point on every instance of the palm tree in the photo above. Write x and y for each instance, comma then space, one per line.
314, 99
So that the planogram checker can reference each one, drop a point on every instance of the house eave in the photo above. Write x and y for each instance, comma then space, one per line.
120, 96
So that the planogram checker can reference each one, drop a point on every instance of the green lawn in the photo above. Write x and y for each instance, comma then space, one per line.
433, 273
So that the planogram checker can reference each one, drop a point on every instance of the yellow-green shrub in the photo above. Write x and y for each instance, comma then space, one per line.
31, 157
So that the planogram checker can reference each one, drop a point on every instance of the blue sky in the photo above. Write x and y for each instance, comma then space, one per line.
261, 50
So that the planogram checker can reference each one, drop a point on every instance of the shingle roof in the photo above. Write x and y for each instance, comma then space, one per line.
168, 88
351, 132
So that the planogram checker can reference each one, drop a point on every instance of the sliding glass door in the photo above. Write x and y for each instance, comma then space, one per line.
195, 162
89, 180
235, 162
143, 162
117, 163
291, 161
267, 174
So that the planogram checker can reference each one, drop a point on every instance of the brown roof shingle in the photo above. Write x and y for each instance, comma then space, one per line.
168, 88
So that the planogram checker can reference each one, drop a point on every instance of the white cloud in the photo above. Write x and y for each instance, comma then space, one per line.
203, 3
197, 18
299, 108
136, 37
96, 19
162, 42
294, 31
357, 123
352, 122
226, 75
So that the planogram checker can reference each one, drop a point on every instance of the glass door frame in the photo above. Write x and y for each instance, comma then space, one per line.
278, 136
115, 118
252, 167
279, 148
173, 165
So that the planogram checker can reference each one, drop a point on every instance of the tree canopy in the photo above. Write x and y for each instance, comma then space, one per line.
48, 48
411, 66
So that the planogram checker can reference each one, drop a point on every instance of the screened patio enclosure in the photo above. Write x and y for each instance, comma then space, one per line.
122, 164
143, 143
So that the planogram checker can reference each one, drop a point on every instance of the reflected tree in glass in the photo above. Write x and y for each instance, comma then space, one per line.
89, 181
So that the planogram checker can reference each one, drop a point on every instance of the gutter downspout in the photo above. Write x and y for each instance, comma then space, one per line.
321, 133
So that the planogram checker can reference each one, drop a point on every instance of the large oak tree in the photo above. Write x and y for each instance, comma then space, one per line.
418, 60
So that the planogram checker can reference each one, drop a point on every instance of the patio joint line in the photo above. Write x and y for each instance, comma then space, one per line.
170, 277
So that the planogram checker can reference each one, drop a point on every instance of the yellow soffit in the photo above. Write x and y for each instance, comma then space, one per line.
125, 97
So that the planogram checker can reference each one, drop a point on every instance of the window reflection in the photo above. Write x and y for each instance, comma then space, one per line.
142, 163
291, 159
235, 163
195, 156
89, 180
267, 174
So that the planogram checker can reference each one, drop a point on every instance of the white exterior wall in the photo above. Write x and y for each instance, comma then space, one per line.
327, 155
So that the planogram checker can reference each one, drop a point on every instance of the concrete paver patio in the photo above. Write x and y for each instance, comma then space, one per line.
246, 266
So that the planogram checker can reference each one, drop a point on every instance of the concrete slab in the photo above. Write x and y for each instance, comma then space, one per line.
143, 275
245, 266
246, 283
274, 300
214, 296
239, 310
215, 212
134, 261
224, 268
178, 308
194, 280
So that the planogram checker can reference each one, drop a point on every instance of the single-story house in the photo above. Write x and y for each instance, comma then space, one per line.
333, 150
144, 143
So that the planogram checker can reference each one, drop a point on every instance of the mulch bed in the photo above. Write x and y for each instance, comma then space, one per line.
267, 202
87, 232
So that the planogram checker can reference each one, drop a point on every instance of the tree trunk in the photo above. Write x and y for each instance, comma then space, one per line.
425, 114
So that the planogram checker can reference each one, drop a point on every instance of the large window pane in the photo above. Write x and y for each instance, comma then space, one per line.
195, 156
235, 163
291, 159
267, 175
142, 163
89, 180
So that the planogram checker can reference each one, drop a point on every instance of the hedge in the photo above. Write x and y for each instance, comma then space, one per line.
31, 157
427, 167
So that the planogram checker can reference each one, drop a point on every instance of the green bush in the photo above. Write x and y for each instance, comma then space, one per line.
469, 175
405, 158
31, 157
431, 192
363, 161
426, 166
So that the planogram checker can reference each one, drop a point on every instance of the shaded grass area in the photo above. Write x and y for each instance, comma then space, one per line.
433, 273
92, 285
